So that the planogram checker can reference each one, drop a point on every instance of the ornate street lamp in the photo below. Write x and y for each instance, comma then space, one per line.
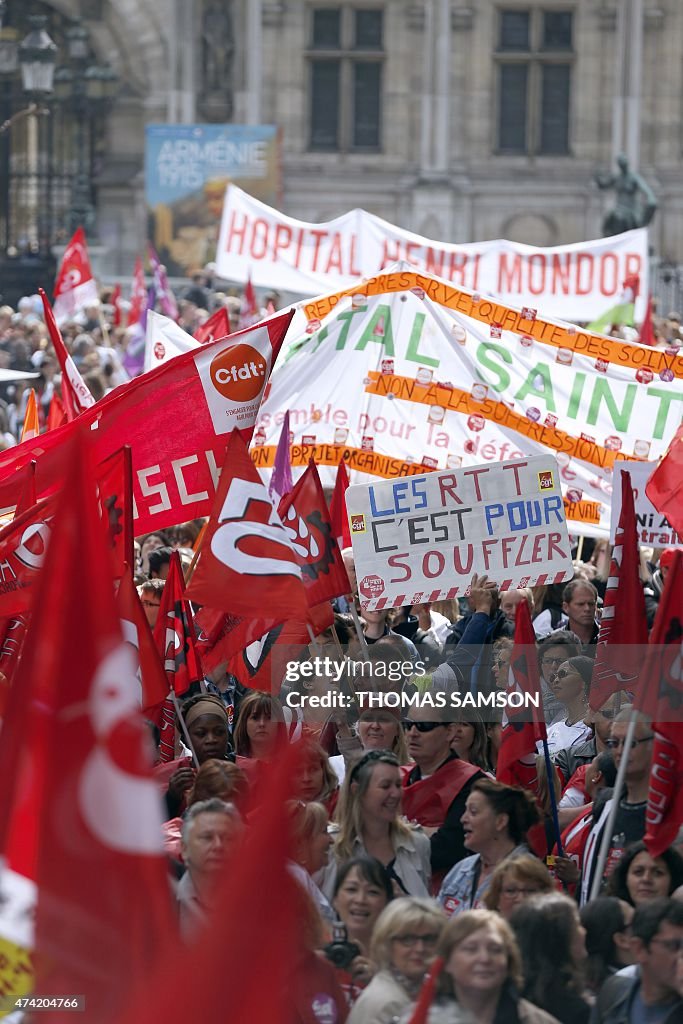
37, 56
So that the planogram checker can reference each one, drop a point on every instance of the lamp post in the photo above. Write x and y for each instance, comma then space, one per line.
86, 88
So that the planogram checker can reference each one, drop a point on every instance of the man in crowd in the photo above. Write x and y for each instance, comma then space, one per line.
629, 824
579, 603
150, 599
159, 561
649, 995
436, 788
210, 829
469, 645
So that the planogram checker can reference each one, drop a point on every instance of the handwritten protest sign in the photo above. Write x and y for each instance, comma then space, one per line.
654, 529
421, 538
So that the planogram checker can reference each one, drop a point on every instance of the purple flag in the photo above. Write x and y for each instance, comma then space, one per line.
281, 482
166, 297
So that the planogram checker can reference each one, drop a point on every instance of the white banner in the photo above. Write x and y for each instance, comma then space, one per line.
164, 340
654, 529
421, 538
408, 374
576, 282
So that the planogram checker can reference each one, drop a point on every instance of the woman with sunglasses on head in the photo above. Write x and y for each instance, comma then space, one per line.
369, 822
378, 729
403, 946
496, 821
570, 685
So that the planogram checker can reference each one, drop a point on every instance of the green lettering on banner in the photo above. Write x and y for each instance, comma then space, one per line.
544, 391
575, 397
346, 318
620, 417
380, 318
666, 398
412, 352
484, 352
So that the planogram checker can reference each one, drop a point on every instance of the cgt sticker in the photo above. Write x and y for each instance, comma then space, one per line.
357, 524
545, 480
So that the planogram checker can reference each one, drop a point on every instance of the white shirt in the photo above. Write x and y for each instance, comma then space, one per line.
562, 736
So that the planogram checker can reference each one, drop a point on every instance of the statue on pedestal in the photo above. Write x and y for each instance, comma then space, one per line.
635, 204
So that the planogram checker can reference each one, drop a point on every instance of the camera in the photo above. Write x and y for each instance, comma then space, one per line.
340, 952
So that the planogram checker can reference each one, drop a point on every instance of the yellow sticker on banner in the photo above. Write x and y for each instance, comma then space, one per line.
545, 480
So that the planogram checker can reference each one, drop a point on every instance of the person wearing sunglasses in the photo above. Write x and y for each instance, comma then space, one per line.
436, 787
570, 685
552, 652
569, 759
629, 824
650, 993
403, 946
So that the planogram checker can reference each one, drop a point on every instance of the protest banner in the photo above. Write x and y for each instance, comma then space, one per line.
403, 373
578, 282
187, 167
421, 538
175, 418
654, 529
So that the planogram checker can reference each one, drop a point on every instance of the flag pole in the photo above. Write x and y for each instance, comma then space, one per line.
553, 797
359, 631
612, 817
179, 715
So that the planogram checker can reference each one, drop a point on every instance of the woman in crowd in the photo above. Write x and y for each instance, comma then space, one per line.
481, 976
150, 542
570, 686
500, 665
403, 946
495, 823
362, 891
206, 721
317, 781
638, 877
260, 728
369, 821
311, 842
515, 880
552, 943
494, 735
607, 921
470, 741
215, 778
378, 729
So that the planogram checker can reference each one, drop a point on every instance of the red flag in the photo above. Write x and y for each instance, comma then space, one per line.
138, 298
623, 624
340, 520
306, 521
257, 886
116, 303
665, 486
249, 311
115, 486
516, 764
174, 632
80, 812
647, 332
75, 393
56, 416
23, 545
137, 633
28, 497
247, 565
75, 286
10, 655
175, 418
217, 326
31, 427
661, 697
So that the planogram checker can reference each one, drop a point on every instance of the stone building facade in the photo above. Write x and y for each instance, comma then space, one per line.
460, 121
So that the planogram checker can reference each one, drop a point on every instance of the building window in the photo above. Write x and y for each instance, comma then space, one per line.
345, 59
534, 57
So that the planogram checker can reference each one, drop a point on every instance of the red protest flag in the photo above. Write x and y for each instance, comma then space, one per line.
81, 811
75, 286
661, 697
27, 498
10, 654
56, 416
31, 427
647, 332
216, 326
256, 886
306, 521
138, 298
23, 545
175, 419
174, 633
665, 486
340, 520
137, 633
525, 727
247, 565
75, 392
249, 311
115, 486
116, 303
623, 625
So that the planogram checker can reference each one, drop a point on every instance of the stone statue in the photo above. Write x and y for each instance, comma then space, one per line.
635, 204
218, 47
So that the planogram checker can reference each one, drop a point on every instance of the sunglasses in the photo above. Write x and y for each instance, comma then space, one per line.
407, 724
563, 673
548, 660
615, 744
